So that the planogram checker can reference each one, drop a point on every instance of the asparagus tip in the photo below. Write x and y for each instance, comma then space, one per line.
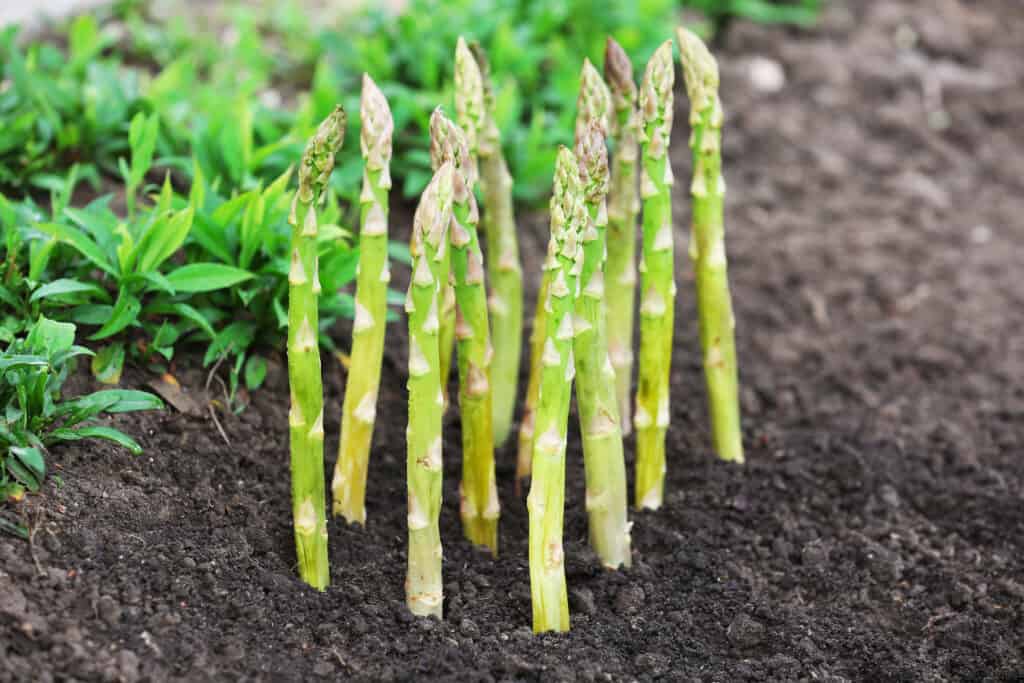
700, 70
469, 93
656, 87
594, 102
618, 70
448, 143
592, 155
433, 212
377, 125
318, 158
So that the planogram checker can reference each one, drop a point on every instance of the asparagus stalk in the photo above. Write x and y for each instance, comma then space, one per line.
504, 273
479, 491
604, 461
546, 502
306, 417
657, 284
447, 334
623, 207
429, 246
524, 457
360, 404
707, 246
594, 102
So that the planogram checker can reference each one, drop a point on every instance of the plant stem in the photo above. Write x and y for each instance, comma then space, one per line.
546, 502
306, 417
623, 207
504, 272
360, 404
707, 247
479, 492
524, 458
423, 587
657, 279
604, 460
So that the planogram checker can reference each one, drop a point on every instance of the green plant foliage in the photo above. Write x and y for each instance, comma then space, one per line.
32, 371
60, 108
720, 12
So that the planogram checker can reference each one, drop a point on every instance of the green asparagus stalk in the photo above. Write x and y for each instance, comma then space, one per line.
594, 102
707, 246
479, 491
360, 404
447, 335
657, 284
428, 246
504, 272
623, 207
546, 502
524, 457
604, 461
306, 417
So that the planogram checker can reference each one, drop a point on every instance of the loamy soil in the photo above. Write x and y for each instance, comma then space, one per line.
876, 227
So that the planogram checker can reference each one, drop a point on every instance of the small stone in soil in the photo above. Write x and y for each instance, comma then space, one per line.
582, 600
629, 600
745, 632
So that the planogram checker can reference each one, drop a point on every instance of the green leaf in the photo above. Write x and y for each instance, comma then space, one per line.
28, 466
108, 363
126, 400
142, 134
206, 277
162, 240
50, 337
96, 432
11, 362
65, 286
90, 314
126, 311
12, 528
255, 372
79, 242
235, 338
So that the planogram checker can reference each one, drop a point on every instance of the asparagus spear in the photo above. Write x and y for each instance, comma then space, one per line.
306, 417
429, 245
623, 207
360, 404
594, 102
707, 246
504, 272
604, 461
479, 491
657, 284
524, 458
546, 502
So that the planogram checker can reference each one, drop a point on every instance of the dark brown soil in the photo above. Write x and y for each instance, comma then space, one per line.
876, 533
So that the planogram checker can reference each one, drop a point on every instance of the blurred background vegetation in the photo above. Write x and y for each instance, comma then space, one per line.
239, 85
